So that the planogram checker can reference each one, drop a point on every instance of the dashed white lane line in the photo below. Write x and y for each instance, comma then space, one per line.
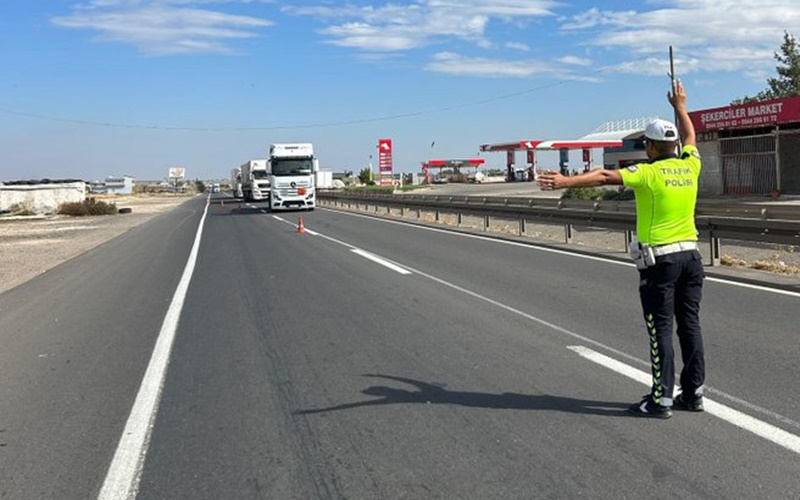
760, 428
124, 473
363, 253
558, 251
381, 261
742, 420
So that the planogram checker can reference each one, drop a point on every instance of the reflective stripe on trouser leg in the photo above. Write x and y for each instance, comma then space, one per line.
656, 368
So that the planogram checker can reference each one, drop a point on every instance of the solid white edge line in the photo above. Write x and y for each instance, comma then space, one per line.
767, 431
380, 260
124, 473
534, 245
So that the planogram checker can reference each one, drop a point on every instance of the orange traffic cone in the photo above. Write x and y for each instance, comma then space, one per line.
301, 226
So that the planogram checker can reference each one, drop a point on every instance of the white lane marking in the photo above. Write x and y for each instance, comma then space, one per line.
751, 286
767, 431
534, 246
381, 261
368, 255
124, 473
586, 340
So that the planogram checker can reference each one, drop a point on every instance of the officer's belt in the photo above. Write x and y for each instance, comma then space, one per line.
681, 246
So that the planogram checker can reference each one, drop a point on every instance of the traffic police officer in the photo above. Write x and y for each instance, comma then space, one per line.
666, 253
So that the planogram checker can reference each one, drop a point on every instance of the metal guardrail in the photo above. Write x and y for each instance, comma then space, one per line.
756, 222
721, 209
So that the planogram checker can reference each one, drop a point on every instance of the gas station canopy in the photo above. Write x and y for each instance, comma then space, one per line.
454, 164
564, 144
532, 146
609, 135
470, 162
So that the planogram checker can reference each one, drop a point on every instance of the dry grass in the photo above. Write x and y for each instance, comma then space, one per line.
89, 206
773, 265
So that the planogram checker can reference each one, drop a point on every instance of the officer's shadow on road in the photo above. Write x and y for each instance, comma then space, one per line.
427, 393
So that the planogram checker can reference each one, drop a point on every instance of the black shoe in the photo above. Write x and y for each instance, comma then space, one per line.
649, 408
688, 403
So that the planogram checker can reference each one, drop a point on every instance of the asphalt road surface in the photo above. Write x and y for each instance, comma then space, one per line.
369, 359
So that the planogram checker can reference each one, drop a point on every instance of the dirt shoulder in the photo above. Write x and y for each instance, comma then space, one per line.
31, 245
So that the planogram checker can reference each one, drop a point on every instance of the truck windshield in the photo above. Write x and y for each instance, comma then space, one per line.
291, 166
260, 174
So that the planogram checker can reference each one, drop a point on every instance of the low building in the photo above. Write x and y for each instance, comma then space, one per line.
113, 185
40, 196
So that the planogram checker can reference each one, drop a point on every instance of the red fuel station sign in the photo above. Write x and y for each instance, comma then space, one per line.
385, 162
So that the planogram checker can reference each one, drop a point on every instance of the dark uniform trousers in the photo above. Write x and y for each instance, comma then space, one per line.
673, 287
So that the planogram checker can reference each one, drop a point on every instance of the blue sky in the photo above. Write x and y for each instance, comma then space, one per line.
109, 87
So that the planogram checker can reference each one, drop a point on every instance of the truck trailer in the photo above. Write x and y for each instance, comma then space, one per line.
236, 182
292, 169
255, 180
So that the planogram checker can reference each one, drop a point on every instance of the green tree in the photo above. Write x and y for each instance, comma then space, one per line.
365, 177
787, 83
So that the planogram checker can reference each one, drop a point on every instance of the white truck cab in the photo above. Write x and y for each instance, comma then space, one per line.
292, 176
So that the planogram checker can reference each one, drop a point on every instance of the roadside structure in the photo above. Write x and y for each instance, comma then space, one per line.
455, 164
750, 149
587, 145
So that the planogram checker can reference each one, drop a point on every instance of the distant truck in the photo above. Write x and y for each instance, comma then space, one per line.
236, 182
324, 179
256, 181
292, 170
476, 177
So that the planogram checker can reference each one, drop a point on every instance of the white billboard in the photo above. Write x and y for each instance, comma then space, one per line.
177, 172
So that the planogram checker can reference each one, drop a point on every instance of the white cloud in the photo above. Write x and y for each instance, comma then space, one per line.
708, 35
575, 61
455, 64
518, 46
420, 23
737, 36
162, 27
594, 17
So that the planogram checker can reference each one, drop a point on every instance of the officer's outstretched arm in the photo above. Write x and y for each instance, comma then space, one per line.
601, 177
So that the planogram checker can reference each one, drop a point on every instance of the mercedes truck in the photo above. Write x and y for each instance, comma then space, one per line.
292, 169
255, 180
